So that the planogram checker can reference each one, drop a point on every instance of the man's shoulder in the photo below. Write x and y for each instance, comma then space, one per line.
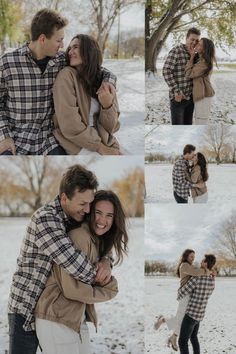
10, 56
178, 49
47, 211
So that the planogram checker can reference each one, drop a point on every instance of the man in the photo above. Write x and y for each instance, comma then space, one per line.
200, 289
180, 173
46, 242
180, 88
26, 79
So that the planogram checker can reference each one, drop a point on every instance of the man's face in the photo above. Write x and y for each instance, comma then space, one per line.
51, 46
189, 156
204, 264
192, 40
78, 205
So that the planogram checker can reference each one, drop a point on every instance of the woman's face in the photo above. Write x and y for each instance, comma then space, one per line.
200, 47
104, 216
74, 53
195, 159
191, 257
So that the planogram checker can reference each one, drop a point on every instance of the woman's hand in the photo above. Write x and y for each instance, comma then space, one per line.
106, 95
106, 150
103, 275
192, 52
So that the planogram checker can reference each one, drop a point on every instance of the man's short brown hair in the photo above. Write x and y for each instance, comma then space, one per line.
45, 22
77, 178
193, 30
188, 149
210, 259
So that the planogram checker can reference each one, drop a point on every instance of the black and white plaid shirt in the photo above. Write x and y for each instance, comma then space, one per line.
200, 289
179, 177
174, 72
26, 101
45, 242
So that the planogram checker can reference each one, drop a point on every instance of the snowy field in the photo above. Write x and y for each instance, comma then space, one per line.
120, 328
217, 330
223, 105
131, 98
221, 183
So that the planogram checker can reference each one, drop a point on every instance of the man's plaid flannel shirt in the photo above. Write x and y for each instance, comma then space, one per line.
45, 242
200, 289
26, 101
174, 72
179, 177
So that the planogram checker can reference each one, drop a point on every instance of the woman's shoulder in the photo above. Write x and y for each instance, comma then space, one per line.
66, 72
81, 236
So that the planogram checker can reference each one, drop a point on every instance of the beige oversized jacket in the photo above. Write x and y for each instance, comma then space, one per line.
201, 83
196, 177
187, 271
71, 118
66, 300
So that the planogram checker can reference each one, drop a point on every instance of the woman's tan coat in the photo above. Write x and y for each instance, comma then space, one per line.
196, 178
201, 83
66, 300
187, 271
71, 118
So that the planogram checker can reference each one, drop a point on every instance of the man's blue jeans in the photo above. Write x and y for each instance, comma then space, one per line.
182, 112
20, 341
56, 151
189, 330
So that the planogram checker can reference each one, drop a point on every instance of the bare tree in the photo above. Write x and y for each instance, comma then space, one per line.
102, 15
227, 237
216, 138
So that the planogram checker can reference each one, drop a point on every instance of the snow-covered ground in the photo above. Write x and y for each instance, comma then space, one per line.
223, 105
217, 330
221, 183
121, 321
131, 98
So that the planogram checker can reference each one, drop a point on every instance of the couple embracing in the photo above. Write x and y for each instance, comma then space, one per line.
196, 286
64, 267
187, 72
190, 173
54, 102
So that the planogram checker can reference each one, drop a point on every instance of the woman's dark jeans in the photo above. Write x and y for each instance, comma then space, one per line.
20, 341
189, 330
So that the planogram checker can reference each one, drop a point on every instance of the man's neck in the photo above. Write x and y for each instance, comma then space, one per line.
36, 51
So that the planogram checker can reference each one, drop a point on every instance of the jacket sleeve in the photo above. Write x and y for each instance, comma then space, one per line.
68, 116
89, 294
196, 173
181, 174
188, 269
187, 288
195, 70
53, 241
5, 131
108, 118
168, 70
108, 76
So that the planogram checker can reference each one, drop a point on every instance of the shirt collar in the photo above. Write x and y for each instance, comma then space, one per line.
25, 50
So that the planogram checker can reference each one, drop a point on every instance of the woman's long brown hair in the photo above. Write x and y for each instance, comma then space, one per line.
89, 72
183, 258
208, 54
116, 238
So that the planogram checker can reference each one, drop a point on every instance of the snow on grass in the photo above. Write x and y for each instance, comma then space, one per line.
120, 328
217, 330
223, 105
158, 179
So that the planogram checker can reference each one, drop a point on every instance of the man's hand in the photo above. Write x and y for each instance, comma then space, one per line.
106, 150
178, 97
103, 275
8, 144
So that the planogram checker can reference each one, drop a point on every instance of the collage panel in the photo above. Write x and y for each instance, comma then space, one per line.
190, 164
30, 244
190, 62
195, 305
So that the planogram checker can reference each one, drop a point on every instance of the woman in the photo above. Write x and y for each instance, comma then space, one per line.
200, 72
86, 109
66, 304
199, 176
185, 270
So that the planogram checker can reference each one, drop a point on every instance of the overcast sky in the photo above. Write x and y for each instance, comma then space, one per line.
170, 229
